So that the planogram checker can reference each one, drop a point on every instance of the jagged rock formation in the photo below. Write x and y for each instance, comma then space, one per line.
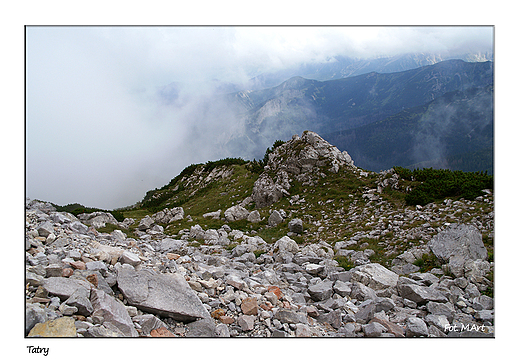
301, 159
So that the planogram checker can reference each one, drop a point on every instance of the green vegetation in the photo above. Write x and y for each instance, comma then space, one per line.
427, 262
77, 209
430, 185
344, 262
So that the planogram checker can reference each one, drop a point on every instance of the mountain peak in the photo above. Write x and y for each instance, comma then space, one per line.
303, 159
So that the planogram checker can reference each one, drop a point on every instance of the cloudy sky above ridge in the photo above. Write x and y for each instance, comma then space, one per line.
97, 134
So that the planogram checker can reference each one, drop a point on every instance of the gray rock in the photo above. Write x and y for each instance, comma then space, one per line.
102, 331
163, 294
222, 330
296, 226
129, 258
362, 293
266, 191
148, 323
246, 322
81, 300
421, 294
446, 309
34, 314
333, 318
113, 312
365, 313
374, 276
483, 303
78, 227
278, 333
169, 245
33, 279
303, 330
458, 244
63, 287
236, 213
212, 215
254, 217
314, 269
196, 232
485, 315
439, 321
384, 304
97, 265
145, 223
373, 329
275, 218
415, 327
290, 317
201, 328
342, 288
286, 245
45, 229
321, 291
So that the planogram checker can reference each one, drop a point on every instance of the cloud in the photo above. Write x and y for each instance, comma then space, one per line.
98, 132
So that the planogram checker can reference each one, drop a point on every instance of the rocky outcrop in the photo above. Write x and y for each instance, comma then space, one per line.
302, 159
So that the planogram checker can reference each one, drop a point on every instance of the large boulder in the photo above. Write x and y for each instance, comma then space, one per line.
375, 276
98, 219
286, 245
167, 216
146, 223
64, 287
165, 294
266, 191
456, 245
236, 213
112, 311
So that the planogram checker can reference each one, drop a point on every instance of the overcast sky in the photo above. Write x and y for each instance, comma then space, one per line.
97, 134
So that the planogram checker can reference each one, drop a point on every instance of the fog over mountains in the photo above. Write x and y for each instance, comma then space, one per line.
439, 115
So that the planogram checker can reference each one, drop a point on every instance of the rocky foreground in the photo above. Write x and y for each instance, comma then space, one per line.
82, 283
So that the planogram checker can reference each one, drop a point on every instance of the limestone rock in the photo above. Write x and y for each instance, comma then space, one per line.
113, 312
254, 217
61, 327
275, 218
286, 245
166, 294
375, 276
63, 287
81, 300
34, 314
146, 223
246, 323
296, 226
266, 191
236, 213
421, 294
321, 291
212, 215
456, 245
130, 258
415, 327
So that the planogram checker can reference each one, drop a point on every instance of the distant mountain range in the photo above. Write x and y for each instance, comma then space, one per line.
439, 114
422, 116
342, 67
